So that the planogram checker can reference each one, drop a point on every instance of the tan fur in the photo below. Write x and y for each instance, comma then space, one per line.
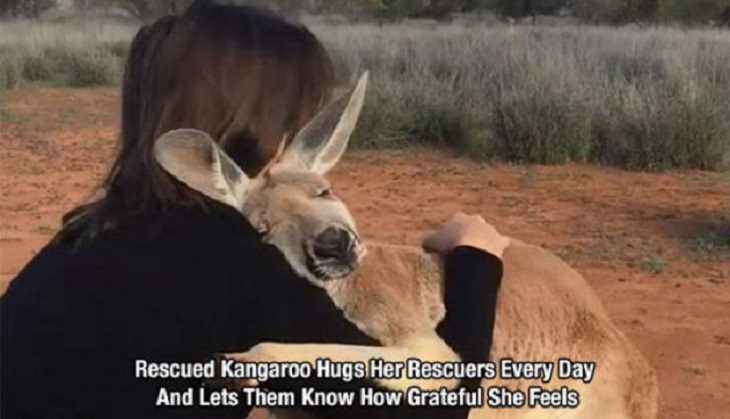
545, 311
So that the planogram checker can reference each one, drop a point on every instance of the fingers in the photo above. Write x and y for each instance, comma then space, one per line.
465, 230
443, 239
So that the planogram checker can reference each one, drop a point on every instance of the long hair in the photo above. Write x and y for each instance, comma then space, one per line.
245, 76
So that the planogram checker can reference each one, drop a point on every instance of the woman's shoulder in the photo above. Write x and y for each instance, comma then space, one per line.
184, 226
175, 236
209, 224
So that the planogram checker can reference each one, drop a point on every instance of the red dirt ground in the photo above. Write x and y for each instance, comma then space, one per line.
629, 233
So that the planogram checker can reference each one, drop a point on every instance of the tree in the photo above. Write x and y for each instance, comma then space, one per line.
439, 9
697, 11
616, 11
725, 17
395, 9
28, 8
517, 9
142, 9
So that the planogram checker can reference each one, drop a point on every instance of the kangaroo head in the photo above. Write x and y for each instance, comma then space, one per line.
290, 202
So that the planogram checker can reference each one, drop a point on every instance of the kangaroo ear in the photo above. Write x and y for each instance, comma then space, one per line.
323, 141
193, 158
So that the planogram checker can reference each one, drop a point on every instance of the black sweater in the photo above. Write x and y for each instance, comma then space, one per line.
180, 288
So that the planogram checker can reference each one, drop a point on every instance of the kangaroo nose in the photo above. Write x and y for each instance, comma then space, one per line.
335, 243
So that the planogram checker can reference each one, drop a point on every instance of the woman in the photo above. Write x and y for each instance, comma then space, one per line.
157, 272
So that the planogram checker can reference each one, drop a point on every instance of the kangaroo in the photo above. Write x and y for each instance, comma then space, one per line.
546, 310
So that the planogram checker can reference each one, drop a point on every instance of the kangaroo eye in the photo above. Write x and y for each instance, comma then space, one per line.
324, 193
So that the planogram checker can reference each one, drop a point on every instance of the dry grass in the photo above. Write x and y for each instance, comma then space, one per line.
638, 98
72, 53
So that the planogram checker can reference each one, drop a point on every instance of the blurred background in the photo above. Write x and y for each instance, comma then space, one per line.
630, 83
610, 11
599, 129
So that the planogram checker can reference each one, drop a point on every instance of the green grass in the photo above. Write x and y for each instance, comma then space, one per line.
12, 116
653, 264
712, 245
695, 370
68, 116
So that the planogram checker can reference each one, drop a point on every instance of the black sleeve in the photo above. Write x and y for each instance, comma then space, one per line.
472, 281
296, 311
293, 310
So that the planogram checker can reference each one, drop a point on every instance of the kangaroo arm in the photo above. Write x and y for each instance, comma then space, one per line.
429, 348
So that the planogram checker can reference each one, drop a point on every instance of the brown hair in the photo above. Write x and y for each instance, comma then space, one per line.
245, 76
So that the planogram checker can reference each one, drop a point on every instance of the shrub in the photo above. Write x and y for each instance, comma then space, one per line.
25, 7
75, 53
10, 71
90, 68
693, 11
637, 98
631, 97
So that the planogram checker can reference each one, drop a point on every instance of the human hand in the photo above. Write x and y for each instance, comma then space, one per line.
466, 230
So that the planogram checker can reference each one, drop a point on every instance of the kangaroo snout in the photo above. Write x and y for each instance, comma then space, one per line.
338, 244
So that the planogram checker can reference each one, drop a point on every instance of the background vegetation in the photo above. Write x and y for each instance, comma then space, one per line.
611, 11
648, 97
634, 98
80, 52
